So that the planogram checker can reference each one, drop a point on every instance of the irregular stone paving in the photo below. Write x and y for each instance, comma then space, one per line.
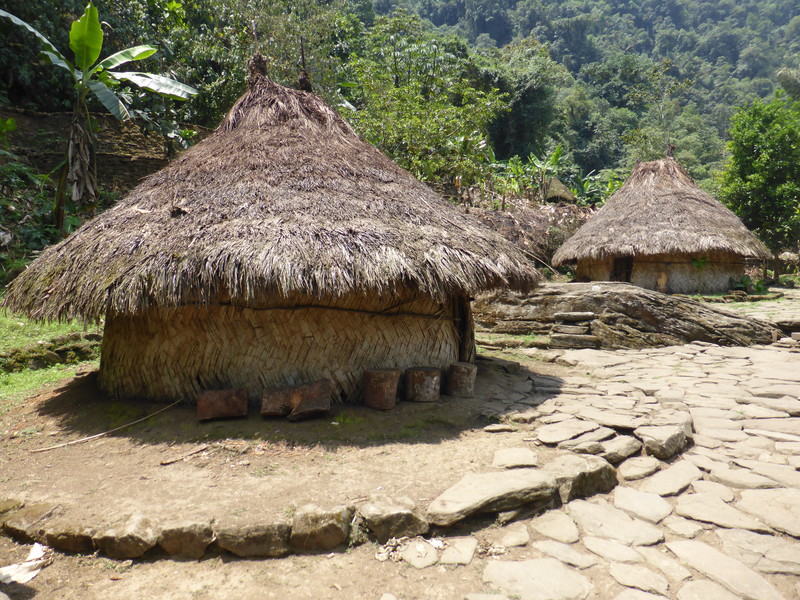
705, 441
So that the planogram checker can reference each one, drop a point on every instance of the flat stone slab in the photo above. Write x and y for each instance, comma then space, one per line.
554, 433
603, 520
711, 509
703, 589
25, 523
765, 553
387, 517
266, 539
639, 577
581, 476
731, 573
671, 568
634, 594
420, 554
513, 535
682, 527
724, 493
672, 480
638, 467
565, 553
786, 425
557, 525
611, 551
491, 492
619, 448
779, 508
459, 551
643, 505
740, 478
515, 458
537, 579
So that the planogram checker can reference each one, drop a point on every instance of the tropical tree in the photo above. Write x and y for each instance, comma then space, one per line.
98, 77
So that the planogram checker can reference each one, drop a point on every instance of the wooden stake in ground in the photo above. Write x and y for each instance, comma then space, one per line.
380, 388
423, 384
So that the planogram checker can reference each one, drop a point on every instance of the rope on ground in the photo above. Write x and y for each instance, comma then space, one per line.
97, 435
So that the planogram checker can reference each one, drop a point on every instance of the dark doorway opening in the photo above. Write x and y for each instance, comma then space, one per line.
623, 268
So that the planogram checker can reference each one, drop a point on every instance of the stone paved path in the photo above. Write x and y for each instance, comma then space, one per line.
721, 519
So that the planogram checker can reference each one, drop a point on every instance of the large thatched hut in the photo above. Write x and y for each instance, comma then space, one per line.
662, 232
281, 249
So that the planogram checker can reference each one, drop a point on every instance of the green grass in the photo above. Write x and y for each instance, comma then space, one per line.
15, 387
17, 331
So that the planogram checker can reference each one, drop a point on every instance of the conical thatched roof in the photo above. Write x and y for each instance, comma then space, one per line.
660, 210
283, 198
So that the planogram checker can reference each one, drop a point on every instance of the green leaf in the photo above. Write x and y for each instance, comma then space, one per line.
157, 83
109, 99
47, 44
57, 60
127, 55
86, 38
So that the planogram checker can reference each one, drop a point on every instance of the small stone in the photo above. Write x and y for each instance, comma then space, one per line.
661, 441
703, 589
581, 476
315, 528
538, 579
459, 551
610, 550
621, 447
491, 492
514, 458
128, 540
637, 576
605, 521
187, 540
388, 517
682, 527
557, 525
701, 486
513, 535
672, 480
565, 553
420, 554
668, 566
647, 506
710, 509
731, 573
65, 535
638, 467
269, 539
499, 428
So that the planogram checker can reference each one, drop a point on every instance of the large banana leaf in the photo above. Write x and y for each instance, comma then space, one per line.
156, 83
127, 55
86, 38
47, 44
109, 99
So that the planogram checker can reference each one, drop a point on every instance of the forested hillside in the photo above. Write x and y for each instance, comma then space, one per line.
498, 94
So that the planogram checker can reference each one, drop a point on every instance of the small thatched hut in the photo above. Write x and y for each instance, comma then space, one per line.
662, 232
281, 249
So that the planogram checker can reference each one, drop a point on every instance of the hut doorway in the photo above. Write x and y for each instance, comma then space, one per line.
622, 269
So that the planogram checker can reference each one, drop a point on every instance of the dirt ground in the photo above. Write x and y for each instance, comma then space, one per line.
244, 468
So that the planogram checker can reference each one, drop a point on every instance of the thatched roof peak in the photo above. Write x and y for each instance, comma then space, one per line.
660, 210
283, 198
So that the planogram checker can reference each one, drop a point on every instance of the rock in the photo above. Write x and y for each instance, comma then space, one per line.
786, 404
513, 535
186, 539
486, 597
634, 594
784, 474
644, 505
701, 486
538, 579
314, 528
710, 509
639, 577
459, 551
388, 517
629, 316
672, 480
611, 523
765, 553
567, 340
740, 478
610, 418
725, 435
638, 467
668, 566
420, 554
492, 492
573, 316
65, 535
565, 430
786, 425
266, 539
9, 505
597, 435
703, 589
513, 458
557, 525
565, 553
581, 476
128, 540
778, 508
610, 550
661, 441
682, 527
731, 573
499, 428
25, 524
619, 448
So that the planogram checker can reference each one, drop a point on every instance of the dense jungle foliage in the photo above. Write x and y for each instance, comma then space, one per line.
496, 94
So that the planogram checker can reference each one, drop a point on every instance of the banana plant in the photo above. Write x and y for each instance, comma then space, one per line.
100, 78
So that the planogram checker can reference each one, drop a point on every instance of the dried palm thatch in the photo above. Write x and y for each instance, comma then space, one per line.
660, 211
282, 222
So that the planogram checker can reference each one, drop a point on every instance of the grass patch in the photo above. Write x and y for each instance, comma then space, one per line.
17, 331
18, 386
